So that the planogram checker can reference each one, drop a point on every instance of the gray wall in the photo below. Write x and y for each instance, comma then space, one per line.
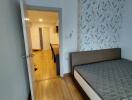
99, 24
13, 72
126, 31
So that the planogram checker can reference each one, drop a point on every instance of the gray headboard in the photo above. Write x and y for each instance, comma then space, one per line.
87, 57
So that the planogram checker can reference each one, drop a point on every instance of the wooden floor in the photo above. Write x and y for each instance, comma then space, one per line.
57, 89
49, 86
45, 65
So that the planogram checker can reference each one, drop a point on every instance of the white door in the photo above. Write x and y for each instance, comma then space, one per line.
28, 49
46, 38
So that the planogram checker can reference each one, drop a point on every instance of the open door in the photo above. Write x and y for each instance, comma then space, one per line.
28, 49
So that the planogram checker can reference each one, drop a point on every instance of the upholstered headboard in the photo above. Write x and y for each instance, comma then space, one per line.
87, 57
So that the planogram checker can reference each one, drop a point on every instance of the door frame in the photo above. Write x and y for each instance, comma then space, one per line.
28, 52
59, 11
41, 38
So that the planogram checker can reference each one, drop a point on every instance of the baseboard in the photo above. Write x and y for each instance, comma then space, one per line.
36, 50
67, 75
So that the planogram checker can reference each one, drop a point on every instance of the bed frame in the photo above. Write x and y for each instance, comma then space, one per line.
88, 57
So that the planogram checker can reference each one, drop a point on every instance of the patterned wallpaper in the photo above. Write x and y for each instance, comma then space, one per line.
99, 23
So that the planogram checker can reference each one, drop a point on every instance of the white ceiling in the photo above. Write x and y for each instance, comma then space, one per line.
48, 17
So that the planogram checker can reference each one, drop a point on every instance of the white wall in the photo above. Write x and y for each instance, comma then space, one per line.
13, 72
46, 38
54, 37
126, 31
69, 25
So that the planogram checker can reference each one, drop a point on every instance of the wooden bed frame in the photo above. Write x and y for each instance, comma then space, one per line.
88, 57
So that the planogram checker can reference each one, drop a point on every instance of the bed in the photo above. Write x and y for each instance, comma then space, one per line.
103, 74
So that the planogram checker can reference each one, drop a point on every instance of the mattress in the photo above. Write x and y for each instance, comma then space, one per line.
109, 80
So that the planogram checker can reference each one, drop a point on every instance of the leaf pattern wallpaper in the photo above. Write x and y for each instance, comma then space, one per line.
99, 24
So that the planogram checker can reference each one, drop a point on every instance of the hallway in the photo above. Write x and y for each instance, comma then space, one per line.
46, 68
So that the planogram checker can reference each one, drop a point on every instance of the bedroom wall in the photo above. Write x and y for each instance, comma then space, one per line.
99, 24
69, 27
126, 31
13, 70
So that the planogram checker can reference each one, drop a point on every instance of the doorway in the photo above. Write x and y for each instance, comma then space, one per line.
44, 32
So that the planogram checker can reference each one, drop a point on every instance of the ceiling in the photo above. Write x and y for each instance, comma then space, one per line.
48, 17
